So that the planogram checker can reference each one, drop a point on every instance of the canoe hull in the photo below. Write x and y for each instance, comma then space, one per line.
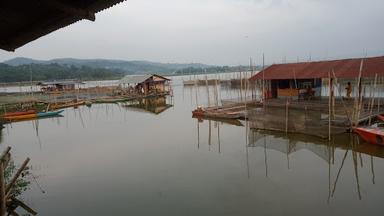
9, 114
67, 105
371, 135
21, 117
46, 114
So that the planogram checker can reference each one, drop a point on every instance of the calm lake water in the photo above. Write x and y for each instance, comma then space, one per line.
115, 160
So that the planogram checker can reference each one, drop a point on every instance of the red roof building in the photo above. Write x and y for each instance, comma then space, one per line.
345, 68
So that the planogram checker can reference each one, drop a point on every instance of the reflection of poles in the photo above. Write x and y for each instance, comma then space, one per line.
246, 145
354, 156
338, 173
218, 137
329, 171
198, 134
265, 156
288, 150
373, 171
209, 134
81, 119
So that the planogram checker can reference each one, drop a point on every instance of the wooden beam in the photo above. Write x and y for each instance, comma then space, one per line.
13, 180
24, 206
4, 159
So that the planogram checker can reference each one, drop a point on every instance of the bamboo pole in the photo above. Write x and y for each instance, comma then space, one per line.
206, 84
2, 190
358, 95
342, 100
338, 172
13, 180
263, 81
329, 107
373, 100
3, 162
286, 115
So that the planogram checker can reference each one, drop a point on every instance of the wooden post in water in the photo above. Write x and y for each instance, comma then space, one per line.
2, 182
329, 106
286, 115
372, 100
358, 95
14, 178
206, 83
263, 83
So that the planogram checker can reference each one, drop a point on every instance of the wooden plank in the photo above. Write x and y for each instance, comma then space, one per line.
24, 206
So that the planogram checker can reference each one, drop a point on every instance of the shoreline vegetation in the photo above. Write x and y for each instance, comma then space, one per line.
22, 71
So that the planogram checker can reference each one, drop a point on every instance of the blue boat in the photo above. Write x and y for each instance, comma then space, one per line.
50, 113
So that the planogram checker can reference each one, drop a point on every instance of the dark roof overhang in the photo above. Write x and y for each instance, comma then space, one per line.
24, 21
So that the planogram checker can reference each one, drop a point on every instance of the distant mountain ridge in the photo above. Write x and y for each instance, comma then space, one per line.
136, 67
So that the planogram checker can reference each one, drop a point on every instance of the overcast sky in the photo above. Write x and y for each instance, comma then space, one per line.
222, 32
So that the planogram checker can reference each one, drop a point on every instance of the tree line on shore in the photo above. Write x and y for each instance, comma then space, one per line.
55, 71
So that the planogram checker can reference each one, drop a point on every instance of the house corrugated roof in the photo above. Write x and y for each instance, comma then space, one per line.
134, 79
345, 68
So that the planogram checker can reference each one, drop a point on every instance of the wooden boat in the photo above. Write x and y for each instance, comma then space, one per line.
8, 114
235, 122
66, 105
20, 117
49, 113
110, 100
32, 116
189, 82
373, 134
199, 112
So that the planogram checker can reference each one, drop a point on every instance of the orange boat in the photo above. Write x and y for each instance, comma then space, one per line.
20, 117
374, 135
9, 114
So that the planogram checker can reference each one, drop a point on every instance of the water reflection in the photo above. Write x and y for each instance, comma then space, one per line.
356, 156
154, 105
199, 167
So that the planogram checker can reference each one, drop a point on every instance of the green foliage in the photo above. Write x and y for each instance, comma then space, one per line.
22, 184
43, 72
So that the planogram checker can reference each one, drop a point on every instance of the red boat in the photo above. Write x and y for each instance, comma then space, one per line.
374, 135
10, 114
380, 117
199, 112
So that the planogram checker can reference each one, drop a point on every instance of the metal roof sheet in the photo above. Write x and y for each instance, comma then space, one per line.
134, 79
345, 68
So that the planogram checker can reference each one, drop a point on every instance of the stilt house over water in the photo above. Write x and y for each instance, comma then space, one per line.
299, 79
63, 85
145, 84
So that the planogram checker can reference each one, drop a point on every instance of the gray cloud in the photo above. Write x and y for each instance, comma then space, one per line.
220, 31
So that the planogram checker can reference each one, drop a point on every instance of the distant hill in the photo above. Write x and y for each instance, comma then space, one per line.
20, 69
134, 67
